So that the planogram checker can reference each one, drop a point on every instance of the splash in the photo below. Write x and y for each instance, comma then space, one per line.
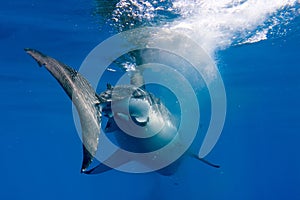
219, 24
215, 24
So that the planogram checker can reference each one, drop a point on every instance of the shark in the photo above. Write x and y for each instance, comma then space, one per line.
127, 108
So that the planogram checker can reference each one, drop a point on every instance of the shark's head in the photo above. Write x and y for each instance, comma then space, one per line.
137, 112
127, 103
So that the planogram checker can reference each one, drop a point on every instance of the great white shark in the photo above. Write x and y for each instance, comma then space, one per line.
129, 102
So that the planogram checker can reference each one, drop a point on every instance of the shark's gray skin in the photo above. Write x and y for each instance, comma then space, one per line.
144, 110
84, 98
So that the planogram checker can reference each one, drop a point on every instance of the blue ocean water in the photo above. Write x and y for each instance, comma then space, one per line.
40, 150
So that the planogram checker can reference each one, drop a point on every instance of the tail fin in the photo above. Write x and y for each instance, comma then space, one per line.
84, 98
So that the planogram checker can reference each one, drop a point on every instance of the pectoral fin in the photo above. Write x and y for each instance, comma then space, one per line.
205, 161
84, 98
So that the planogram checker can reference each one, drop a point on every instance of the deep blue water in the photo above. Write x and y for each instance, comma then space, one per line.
40, 150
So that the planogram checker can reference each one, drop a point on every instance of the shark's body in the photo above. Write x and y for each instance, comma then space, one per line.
144, 110
122, 105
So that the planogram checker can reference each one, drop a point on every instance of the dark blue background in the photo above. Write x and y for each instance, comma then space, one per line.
40, 151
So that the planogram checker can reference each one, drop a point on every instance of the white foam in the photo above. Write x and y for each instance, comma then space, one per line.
216, 24
213, 24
